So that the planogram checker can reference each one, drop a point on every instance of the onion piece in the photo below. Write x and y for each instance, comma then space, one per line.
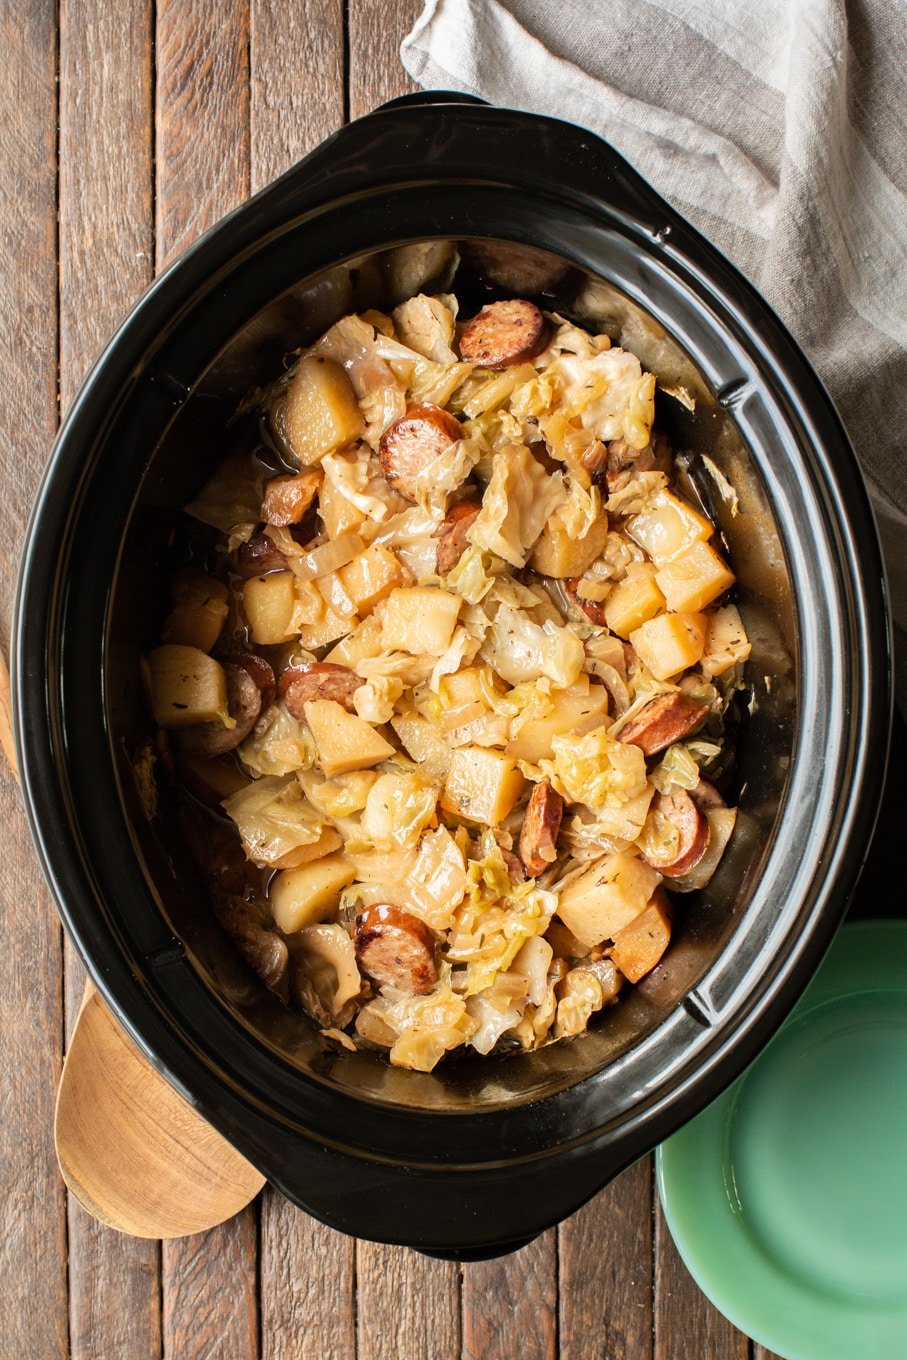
327, 557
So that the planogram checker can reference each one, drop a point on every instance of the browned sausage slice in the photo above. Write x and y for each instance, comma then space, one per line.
320, 680
396, 949
503, 334
261, 672
692, 830
663, 720
452, 540
287, 499
705, 795
514, 866
413, 442
594, 610
258, 555
524, 269
244, 700
541, 824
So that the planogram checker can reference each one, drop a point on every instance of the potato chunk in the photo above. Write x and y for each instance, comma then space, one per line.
578, 709
321, 414
558, 554
639, 946
304, 896
188, 687
694, 579
668, 529
198, 612
481, 784
634, 600
269, 604
607, 896
371, 576
670, 643
726, 642
420, 620
344, 741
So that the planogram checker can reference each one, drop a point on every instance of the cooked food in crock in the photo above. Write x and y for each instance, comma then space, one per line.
446, 697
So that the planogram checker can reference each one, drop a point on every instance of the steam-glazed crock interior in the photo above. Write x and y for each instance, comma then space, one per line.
718, 469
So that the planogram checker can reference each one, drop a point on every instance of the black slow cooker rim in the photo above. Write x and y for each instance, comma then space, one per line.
37, 656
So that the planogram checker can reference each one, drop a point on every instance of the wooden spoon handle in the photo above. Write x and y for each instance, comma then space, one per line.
132, 1151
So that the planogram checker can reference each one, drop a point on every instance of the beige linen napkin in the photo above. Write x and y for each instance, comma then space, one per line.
778, 128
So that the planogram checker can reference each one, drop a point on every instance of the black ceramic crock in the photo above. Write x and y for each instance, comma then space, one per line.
484, 1153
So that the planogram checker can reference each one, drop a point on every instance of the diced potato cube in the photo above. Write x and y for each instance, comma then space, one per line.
556, 553
726, 641
344, 741
481, 784
188, 687
420, 620
423, 742
578, 709
670, 643
668, 529
316, 622
321, 413
269, 604
634, 600
694, 579
463, 697
607, 896
304, 896
198, 612
362, 644
338, 512
639, 946
329, 840
371, 576
626, 821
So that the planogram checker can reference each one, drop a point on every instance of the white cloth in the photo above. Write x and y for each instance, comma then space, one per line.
778, 128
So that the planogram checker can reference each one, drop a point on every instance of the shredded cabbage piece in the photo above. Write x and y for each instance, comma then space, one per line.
518, 501
595, 769
273, 818
519, 649
278, 744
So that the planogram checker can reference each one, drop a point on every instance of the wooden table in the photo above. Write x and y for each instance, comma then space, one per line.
126, 129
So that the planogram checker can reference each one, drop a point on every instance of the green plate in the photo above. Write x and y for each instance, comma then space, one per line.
787, 1197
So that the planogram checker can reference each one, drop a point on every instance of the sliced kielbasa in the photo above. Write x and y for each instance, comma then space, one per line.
665, 719
287, 500
396, 949
452, 535
541, 824
504, 334
515, 866
320, 680
258, 555
414, 441
260, 670
244, 701
594, 610
692, 833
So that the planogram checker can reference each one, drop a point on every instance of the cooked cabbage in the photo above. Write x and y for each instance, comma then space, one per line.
519, 649
374, 700
474, 574
426, 324
277, 744
444, 474
397, 810
357, 477
231, 499
518, 501
595, 769
496, 1010
427, 1027
273, 818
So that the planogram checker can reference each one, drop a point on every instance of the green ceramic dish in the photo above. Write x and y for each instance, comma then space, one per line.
787, 1197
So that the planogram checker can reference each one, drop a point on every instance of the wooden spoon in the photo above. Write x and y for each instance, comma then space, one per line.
130, 1149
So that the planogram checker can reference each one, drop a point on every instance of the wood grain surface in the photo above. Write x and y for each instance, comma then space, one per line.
169, 115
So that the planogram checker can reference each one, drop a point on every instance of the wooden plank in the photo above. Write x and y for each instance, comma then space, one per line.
605, 1280
308, 1286
510, 1304
376, 30
202, 120
210, 1303
105, 254
297, 82
33, 1294
686, 1324
407, 1305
